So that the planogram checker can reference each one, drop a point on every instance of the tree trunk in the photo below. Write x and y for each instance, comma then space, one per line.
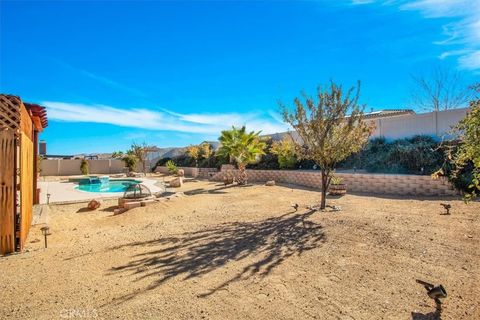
242, 175
324, 189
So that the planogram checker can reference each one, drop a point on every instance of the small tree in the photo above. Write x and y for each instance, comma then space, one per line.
468, 149
285, 151
193, 151
242, 148
206, 151
130, 161
140, 152
327, 132
441, 89
84, 167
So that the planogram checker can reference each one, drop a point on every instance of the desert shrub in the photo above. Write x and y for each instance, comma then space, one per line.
416, 155
285, 151
172, 167
84, 167
268, 161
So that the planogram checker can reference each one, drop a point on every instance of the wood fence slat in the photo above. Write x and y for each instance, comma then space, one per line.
7, 191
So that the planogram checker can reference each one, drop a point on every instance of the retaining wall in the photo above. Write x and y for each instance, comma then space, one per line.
393, 184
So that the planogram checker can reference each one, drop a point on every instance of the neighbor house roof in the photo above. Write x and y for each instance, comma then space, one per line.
387, 113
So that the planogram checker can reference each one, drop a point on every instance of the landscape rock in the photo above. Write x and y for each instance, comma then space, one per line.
270, 183
176, 183
181, 173
94, 204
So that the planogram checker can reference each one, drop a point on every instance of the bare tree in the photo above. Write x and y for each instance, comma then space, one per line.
441, 89
330, 128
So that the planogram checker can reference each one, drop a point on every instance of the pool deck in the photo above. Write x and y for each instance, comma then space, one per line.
64, 191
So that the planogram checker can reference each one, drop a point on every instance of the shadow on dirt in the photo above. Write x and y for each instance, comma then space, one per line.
192, 254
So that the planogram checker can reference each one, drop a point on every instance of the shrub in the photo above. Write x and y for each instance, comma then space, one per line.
336, 180
130, 161
285, 151
84, 167
416, 155
172, 167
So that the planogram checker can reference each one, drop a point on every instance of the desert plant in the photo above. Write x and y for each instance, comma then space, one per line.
84, 167
336, 180
193, 151
171, 167
285, 151
242, 148
467, 152
130, 161
330, 129
140, 152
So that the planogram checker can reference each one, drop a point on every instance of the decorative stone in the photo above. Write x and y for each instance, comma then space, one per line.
270, 183
181, 173
176, 183
94, 204
119, 211
131, 205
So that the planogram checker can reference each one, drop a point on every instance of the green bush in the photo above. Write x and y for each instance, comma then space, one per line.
84, 167
416, 155
172, 167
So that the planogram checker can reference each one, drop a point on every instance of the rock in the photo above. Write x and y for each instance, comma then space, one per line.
131, 205
270, 183
176, 183
94, 204
181, 173
119, 211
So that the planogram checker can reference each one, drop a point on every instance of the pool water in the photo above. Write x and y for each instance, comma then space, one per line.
105, 186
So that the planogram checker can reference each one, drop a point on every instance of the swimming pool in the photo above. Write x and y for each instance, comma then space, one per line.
100, 185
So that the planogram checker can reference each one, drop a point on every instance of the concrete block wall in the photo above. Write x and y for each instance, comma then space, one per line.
392, 184
206, 173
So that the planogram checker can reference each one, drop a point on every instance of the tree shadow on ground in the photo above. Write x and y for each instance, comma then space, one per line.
192, 254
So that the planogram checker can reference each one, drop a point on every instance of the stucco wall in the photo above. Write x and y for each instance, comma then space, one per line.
61, 167
435, 124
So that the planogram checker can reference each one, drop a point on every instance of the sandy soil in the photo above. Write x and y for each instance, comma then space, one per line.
243, 253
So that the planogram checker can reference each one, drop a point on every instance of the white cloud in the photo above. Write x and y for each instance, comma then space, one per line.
104, 80
462, 37
162, 120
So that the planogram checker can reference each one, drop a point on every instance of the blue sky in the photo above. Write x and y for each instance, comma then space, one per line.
175, 73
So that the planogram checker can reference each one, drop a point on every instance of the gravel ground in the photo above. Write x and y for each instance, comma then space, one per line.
244, 253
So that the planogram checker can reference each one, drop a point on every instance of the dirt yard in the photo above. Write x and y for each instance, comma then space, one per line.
243, 253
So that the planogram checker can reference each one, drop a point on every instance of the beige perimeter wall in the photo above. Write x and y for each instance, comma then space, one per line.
61, 167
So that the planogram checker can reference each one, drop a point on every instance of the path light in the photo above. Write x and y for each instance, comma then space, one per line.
434, 292
48, 198
45, 232
437, 292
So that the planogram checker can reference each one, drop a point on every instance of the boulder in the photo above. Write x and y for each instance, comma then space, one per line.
94, 204
181, 173
270, 183
176, 183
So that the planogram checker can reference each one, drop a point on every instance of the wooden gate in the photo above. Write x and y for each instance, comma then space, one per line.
19, 126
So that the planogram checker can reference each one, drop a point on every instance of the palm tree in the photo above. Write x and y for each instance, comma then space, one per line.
241, 147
